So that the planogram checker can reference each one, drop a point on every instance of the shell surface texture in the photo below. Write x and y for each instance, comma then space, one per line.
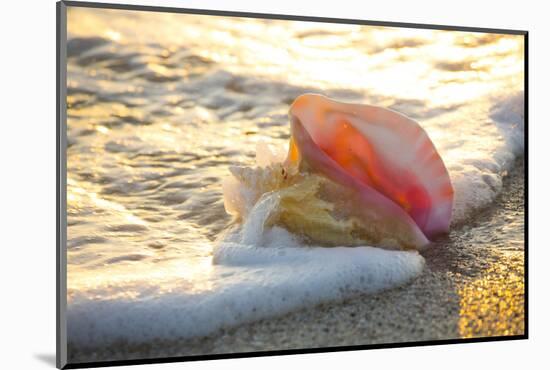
378, 178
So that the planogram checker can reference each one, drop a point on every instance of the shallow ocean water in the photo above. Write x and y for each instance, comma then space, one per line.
159, 105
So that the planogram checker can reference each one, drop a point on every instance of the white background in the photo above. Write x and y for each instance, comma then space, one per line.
27, 182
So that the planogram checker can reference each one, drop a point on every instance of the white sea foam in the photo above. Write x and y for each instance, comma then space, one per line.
480, 153
250, 281
257, 272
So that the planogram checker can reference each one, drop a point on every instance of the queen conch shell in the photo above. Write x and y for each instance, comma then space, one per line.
355, 175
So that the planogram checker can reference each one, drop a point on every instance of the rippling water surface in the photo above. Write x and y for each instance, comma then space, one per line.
160, 104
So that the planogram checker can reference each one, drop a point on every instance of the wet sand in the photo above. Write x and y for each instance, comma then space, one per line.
472, 286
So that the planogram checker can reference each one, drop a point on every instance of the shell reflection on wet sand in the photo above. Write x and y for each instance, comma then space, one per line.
156, 117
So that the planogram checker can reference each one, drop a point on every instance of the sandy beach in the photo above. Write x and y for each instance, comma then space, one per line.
472, 286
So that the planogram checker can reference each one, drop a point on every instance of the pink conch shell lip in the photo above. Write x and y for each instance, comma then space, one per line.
382, 154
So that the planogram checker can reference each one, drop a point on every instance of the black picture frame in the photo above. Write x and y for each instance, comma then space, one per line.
61, 183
